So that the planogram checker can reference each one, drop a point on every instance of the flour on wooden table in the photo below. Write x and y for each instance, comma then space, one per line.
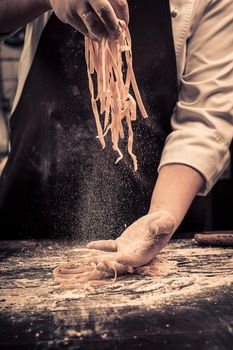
200, 271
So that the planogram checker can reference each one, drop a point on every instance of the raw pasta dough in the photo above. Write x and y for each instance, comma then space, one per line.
84, 272
113, 102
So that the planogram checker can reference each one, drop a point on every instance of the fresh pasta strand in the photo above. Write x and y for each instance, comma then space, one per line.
105, 61
83, 275
86, 274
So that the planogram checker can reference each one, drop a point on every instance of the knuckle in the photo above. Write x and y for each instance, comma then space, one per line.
89, 16
90, 19
104, 10
153, 228
114, 31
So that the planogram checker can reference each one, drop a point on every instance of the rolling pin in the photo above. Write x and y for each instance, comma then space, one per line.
215, 238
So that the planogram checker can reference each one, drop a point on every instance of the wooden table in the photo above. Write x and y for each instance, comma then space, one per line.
187, 309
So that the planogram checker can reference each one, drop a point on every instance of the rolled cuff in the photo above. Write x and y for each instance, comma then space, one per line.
203, 150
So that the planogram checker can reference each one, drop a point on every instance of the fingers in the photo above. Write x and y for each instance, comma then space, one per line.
137, 258
125, 260
107, 16
108, 263
109, 266
105, 245
76, 22
91, 21
96, 18
121, 9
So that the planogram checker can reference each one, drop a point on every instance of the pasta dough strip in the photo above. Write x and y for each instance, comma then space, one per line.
114, 80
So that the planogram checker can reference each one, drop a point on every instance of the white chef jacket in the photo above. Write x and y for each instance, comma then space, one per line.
202, 121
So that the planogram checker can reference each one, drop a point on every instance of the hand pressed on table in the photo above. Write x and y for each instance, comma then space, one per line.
142, 241
138, 244
95, 18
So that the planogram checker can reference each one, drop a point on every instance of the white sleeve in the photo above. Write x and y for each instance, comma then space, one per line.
202, 122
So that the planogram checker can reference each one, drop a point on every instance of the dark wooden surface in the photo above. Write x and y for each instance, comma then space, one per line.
190, 308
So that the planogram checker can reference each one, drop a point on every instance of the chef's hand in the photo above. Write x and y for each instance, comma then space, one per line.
94, 18
140, 242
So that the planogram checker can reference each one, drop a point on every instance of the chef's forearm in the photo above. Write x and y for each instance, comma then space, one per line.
17, 13
175, 189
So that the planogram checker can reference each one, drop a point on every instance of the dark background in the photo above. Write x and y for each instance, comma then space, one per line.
214, 212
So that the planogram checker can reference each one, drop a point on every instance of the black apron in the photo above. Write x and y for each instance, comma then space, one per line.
58, 182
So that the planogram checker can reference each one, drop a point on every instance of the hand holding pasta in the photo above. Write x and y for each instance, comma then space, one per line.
108, 51
94, 18
141, 241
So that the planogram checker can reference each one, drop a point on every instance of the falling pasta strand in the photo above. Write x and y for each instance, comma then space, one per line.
105, 61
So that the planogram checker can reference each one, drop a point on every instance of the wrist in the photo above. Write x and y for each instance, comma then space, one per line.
175, 189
